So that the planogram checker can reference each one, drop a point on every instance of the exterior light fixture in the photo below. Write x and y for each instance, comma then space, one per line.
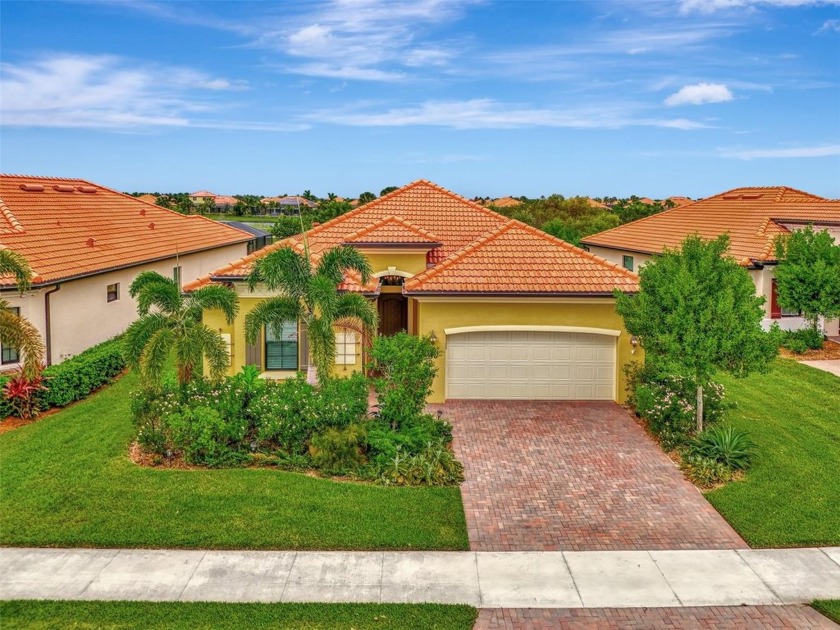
433, 337
634, 342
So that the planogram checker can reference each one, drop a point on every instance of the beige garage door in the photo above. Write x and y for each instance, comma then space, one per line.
520, 365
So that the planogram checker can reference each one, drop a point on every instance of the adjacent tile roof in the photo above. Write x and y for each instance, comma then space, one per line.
506, 202
72, 227
752, 217
479, 250
596, 204
392, 230
225, 200
203, 193
516, 258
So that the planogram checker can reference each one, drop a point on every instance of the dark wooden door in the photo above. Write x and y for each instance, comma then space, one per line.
393, 314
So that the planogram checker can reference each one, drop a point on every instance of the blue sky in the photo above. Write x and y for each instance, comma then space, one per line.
653, 98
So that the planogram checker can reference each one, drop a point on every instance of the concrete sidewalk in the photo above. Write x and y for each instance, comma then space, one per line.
590, 579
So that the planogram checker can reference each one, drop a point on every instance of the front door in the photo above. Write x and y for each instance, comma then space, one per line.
393, 313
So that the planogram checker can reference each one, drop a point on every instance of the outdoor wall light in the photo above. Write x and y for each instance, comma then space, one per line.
433, 337
634, 342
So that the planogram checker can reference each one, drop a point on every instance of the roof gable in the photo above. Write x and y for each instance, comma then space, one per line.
392, 230
71, 227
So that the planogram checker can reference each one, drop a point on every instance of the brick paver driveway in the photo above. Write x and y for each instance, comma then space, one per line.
574, 476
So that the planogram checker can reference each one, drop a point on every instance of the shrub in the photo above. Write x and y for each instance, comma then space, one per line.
433, 466
726, 445
407, 367
5, 408
78, 376
284, 413
668, 405
342, 401
338, 451
205, 437
21, 395
705, 472
412, 438
804, 339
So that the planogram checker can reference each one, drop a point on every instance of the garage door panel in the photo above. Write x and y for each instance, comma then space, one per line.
530, 366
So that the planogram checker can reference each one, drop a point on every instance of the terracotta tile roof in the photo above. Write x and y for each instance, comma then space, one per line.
148, 198
647, 201
225, 200
516, 258
72, 227
751, 216
680, 201
392, 230
203, 193
506, 202
596, 204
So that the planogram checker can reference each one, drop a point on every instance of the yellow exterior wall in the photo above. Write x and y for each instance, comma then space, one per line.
409, 262
437, 316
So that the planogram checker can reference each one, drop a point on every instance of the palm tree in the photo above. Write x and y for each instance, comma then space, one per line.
175, 326
310, 295
16, 331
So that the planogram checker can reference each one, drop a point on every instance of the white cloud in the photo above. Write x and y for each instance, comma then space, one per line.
700, 94
709, 6
826, 150
107, 92
830, 26
487, 113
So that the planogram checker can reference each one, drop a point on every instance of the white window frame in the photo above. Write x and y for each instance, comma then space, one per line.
345, 347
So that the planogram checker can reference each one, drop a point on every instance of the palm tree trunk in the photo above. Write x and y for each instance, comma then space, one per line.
311, 373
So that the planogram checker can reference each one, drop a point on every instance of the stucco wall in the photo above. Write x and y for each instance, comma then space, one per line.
80, 314
412, 263
617, 256
598, 313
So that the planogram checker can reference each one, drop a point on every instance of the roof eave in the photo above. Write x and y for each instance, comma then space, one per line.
516, 293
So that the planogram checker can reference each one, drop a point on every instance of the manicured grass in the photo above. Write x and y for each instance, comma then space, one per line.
790, 496
256, 218
68, 481
40, 615
829, 607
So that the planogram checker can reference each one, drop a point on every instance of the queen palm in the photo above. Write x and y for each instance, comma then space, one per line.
16, 331
310, 294
170, 322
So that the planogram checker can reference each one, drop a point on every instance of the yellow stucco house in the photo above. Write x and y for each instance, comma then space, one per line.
517, 314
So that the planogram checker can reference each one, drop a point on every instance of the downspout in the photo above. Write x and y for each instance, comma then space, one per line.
48, 332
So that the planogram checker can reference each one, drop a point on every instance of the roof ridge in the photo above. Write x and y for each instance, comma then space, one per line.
10, 217
47, 177
368, 229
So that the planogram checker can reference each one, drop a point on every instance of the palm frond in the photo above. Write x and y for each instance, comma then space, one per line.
138, 335
323, 296
273, 311
213, 347
152, 289
214, 296
282, 270
155, 355
335, 263
19, 333
358, 307
15, 264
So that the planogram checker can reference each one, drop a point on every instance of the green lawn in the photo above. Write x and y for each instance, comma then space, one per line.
40, 615
829, 607
256, 218
68, 481
790, 496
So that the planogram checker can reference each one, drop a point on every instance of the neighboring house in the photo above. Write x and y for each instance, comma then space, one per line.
225, 202
506, 202
679, 201
517, 314
259, 238
753, 218
289, 200
596, 204
202, 196
86, 244
148, 198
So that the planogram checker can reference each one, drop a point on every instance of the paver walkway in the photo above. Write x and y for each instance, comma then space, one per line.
578, 476
606, 579
711, 618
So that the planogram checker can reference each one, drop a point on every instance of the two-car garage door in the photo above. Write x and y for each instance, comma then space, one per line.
530, 365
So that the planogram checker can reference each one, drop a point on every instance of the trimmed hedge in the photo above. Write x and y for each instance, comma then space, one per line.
78, 376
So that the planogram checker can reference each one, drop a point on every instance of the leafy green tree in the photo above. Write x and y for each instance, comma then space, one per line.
288, 225
572, 230
310, 294
808, 274
697, 313
366, 197
170, 322
16, 331
388, 189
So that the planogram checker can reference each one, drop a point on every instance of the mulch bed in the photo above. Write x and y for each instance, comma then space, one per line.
829, 352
